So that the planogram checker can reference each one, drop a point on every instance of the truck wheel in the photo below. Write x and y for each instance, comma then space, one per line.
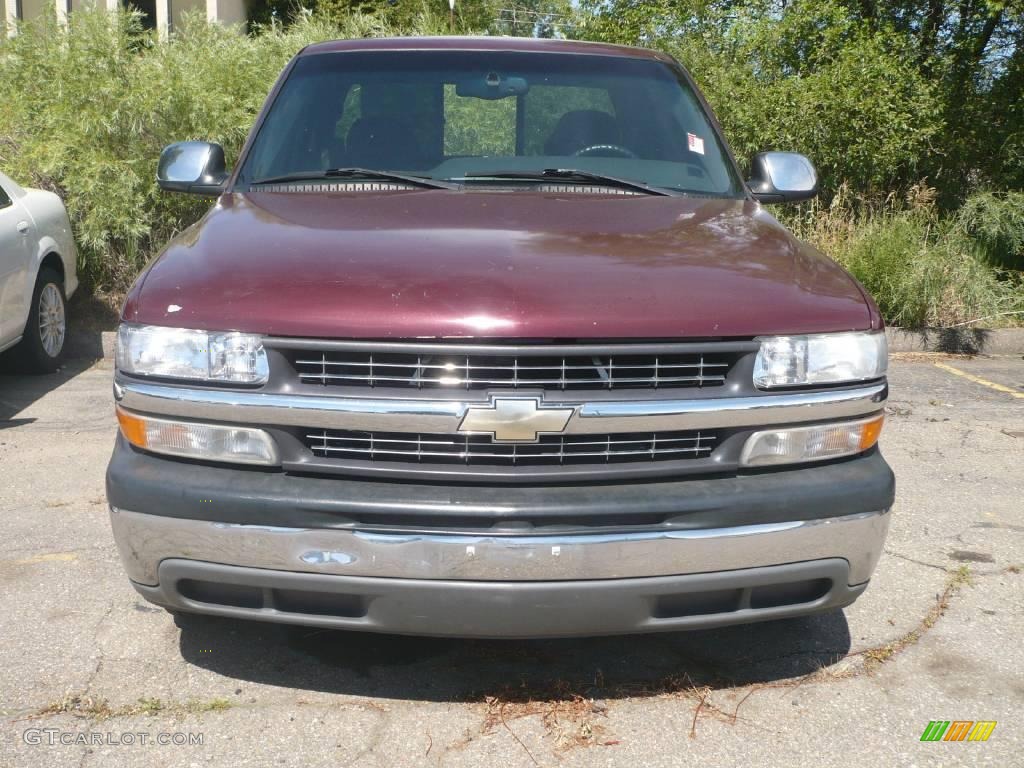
42, 347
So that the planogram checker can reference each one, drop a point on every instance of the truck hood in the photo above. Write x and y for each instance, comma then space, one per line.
512, 264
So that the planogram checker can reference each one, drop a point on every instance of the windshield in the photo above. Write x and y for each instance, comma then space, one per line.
461, 115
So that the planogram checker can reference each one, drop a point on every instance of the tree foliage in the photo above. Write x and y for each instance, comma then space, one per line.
881, 93
543, 18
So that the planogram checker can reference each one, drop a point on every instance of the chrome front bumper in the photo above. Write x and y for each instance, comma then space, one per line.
146, 540
445, 415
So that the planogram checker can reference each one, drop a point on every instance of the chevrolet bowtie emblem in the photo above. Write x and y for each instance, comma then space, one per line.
515, 419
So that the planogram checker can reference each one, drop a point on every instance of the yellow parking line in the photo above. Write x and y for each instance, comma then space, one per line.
49, 557
979, 380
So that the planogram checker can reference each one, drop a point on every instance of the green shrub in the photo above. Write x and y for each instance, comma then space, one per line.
87, 111
922, 270
995, 224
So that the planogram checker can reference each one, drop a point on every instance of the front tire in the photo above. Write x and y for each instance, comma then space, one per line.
42, 347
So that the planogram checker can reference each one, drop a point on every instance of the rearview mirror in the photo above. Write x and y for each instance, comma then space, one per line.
193, 167
492, 87
782, 177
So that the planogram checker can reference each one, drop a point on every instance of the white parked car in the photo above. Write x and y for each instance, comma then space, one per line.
37, 275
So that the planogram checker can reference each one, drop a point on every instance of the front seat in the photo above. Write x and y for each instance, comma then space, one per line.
384, 142
580, 129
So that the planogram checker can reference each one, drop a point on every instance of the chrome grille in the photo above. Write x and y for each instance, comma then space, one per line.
476, 371
550, 450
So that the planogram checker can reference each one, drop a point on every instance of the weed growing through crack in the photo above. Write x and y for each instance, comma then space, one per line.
99, 709
880, 654
571, 719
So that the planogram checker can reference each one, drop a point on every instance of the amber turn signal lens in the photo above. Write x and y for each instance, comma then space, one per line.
817, 442
194, 440
132, 427
870, 431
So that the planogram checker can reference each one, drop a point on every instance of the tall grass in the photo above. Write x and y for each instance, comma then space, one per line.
994, 222
923, 269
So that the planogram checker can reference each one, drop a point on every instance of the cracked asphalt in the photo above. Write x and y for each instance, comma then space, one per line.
88, 662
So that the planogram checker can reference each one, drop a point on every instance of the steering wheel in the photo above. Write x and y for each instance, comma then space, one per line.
600, 149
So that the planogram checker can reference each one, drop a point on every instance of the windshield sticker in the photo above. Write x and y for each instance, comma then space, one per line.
696, 143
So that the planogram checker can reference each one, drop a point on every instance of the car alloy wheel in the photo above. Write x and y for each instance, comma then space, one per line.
52, 320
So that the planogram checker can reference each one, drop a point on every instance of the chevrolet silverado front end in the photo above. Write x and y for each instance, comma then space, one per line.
486, 337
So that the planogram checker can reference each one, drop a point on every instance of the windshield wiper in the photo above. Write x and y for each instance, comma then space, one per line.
572, 174
358, 173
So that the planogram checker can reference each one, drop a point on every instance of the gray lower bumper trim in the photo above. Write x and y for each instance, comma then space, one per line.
147, 540
505, 609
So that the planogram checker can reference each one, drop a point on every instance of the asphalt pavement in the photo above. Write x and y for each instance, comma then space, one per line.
91, 675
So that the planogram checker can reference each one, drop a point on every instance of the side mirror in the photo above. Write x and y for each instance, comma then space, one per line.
782, 177
193, 167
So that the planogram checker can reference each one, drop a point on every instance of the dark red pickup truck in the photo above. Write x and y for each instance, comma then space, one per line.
488, 337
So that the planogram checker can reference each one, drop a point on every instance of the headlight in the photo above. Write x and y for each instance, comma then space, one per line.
180, 353
827, 358
815, 443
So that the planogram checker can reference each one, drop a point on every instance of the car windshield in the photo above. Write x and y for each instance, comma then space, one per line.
463, 115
